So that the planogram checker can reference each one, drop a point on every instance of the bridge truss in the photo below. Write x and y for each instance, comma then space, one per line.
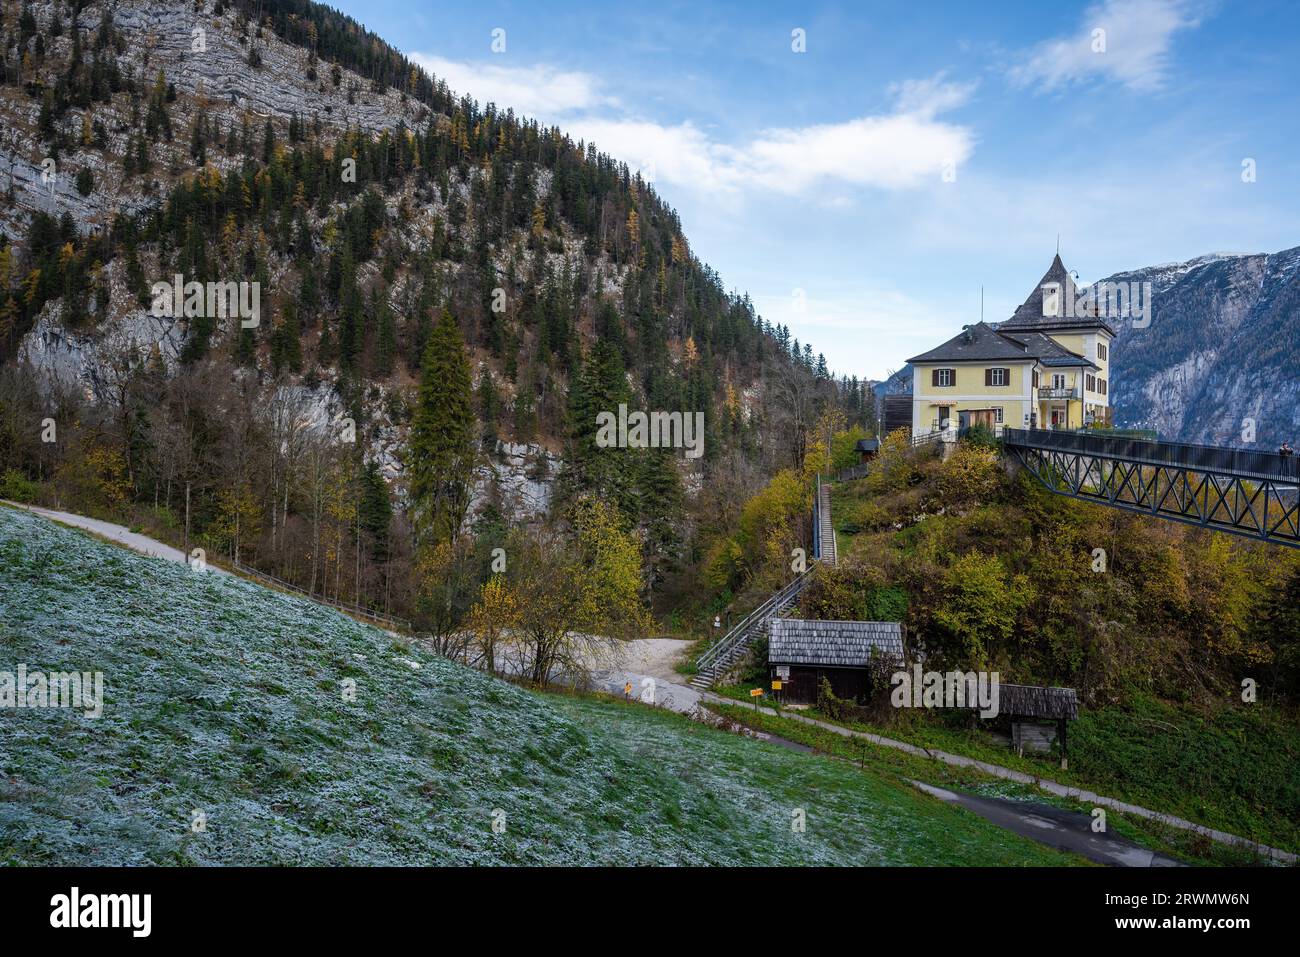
1252, 494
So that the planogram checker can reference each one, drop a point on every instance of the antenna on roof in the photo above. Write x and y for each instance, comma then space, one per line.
1058, 244
981, 302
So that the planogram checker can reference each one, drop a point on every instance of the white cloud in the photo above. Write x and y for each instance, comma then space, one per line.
899, 149
890, 152
929, 97
542, 92
681, 153
1127, 41
896, 150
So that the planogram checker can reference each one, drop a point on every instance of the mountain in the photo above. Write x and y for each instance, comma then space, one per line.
280, 143
1222, 347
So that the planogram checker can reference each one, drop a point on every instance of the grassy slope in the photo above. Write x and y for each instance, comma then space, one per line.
224, 697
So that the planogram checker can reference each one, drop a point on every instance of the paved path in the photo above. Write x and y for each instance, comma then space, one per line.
1055, 827
116, 533
1048, 785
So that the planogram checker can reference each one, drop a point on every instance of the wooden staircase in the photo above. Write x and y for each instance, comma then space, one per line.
726, 653
826, 550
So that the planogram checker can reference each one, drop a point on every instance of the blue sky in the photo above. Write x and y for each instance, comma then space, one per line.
863, 190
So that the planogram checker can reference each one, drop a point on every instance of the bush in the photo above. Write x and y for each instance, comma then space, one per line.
982, 436
969, 477
756, 662
18, 488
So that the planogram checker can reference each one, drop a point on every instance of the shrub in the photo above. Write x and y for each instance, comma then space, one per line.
17, 487
981, 436
969, 477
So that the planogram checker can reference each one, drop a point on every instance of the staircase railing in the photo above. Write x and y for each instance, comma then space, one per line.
765, 610
816, 518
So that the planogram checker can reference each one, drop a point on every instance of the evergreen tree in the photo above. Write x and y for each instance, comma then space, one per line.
375, 510
441, 452
608, 472
659, 489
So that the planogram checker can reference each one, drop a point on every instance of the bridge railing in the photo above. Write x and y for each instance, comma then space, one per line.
1241, 462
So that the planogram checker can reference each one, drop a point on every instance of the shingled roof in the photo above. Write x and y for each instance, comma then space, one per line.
977, 343
1035, 701
835, 644
1029, 316
983, 343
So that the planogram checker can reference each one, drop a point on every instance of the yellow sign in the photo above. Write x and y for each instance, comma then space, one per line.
755, 692
776, 686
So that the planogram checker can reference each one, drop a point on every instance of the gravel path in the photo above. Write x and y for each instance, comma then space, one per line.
115, 533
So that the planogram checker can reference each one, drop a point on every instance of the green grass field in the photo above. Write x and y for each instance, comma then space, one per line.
227, 699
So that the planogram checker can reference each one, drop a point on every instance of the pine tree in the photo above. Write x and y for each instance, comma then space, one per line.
375, 510
606, 472
659, 490
441, 451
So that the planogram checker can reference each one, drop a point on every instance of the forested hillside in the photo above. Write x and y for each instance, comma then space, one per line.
448, 292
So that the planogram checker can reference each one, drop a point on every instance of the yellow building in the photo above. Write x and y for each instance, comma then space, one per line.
1045, 367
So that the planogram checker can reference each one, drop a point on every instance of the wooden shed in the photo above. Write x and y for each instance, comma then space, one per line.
867, 449
1038, 716
801, 652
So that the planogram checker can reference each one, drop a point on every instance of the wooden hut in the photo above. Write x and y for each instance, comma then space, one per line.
867, 449
1038, 716
801, 652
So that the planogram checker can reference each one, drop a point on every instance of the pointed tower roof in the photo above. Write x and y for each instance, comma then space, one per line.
1030, 317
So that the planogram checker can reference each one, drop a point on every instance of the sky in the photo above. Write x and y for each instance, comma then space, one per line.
862, 170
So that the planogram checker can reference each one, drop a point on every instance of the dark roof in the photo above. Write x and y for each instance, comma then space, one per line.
1034, 701
1047, 350
846, 644
977, 343
1029, 316
983, 343
867, 445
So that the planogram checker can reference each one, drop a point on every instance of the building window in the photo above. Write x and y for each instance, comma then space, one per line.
997, 414
943, 378
1101, 351
1035, 378
997, 377
1058, 380
1090, 382
1101, 386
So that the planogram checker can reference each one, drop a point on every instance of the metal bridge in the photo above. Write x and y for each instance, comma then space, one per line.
1229, 490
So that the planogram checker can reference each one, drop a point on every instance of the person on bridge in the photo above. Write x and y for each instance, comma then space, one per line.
1286, 451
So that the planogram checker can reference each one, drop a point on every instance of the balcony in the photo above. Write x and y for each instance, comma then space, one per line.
1067, 393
